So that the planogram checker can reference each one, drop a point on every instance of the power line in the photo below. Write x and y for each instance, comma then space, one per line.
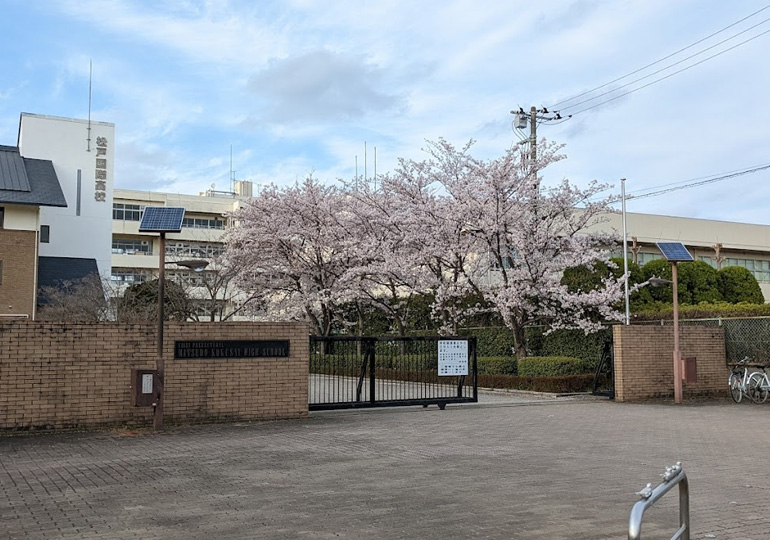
661, 59
669, 75
665, 68
642, 191
691, 184
701, 183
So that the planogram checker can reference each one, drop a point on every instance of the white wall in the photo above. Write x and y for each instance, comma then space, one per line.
64, 141
20, 217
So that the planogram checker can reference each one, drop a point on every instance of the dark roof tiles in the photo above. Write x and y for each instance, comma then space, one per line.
28, 181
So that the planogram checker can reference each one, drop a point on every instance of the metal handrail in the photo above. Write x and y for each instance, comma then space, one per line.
671, 477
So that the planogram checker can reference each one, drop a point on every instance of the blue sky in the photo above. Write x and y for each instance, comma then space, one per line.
299, 86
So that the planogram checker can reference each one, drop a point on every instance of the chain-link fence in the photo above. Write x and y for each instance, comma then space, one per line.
743, 337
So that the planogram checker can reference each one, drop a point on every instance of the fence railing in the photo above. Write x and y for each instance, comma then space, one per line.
748, 336
673, 476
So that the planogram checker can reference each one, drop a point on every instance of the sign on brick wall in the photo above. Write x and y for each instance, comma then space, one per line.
231, 349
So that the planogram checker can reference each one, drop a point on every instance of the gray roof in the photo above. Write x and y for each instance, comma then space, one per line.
28, 181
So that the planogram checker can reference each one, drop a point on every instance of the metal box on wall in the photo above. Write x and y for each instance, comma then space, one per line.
144, 387
690, 370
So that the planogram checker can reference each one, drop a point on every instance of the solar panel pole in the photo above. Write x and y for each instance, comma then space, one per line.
677, 354
159, 362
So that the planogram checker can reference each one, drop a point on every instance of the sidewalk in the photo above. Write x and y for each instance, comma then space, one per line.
553, 470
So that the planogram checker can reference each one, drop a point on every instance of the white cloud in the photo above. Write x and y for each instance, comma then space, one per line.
322, 86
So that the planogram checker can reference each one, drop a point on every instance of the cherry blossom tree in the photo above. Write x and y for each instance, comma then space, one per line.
290, 248
451, 225
499, 211
387, 274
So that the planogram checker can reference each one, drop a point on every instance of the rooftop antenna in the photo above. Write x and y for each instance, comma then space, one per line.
90, 77
232, 176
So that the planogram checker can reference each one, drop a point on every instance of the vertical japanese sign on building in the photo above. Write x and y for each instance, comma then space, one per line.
452, 357
100, 185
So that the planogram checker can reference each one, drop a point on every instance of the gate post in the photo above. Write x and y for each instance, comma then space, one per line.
370, 348
472, 345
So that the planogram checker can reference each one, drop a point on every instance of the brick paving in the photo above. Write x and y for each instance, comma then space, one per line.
555, 469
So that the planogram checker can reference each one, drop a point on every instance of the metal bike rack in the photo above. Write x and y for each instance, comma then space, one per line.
673, 476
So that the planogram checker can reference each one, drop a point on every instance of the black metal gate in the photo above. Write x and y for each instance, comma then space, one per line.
604, 378
351, 372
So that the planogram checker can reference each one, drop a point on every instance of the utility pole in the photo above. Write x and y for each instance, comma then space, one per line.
625, 251
535, 115
533, 134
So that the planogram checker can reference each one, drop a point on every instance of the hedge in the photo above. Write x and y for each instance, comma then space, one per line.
550, 366
704, 311
498, 341
567, 384
573, 343
496, 365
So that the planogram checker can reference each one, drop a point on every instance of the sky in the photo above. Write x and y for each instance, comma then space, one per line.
299, 87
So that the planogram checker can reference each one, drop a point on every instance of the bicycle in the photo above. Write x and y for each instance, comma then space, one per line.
760, 383
740, 383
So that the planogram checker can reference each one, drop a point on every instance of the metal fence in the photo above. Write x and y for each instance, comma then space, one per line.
351, 372
743, 337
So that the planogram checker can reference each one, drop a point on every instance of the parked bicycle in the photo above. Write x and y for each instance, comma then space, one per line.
760, 385
740, 382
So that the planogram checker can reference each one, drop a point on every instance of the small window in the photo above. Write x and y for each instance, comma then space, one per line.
2, 217
45, 234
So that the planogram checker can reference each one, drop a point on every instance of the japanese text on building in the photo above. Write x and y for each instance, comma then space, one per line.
100, 180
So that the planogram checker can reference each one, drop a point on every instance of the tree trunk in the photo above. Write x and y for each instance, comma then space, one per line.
519, 341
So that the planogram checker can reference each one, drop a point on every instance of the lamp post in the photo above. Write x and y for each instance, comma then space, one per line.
160, 363
162, 220
676, 252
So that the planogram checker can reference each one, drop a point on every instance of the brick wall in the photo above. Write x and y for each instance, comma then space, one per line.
61, 375
18, 257
644, 361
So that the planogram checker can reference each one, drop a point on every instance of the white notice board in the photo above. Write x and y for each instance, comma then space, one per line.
452, 357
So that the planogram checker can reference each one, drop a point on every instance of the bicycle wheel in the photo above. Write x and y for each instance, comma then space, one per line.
757, 390
735, 388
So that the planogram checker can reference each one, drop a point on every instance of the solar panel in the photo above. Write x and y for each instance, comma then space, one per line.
674, 251
162, 219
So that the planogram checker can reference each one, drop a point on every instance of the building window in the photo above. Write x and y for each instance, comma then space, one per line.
129, 276
203, 223
759, 268
2, 217
195, 250
45, 234
129, 246
643, 258
187, 279
127, 212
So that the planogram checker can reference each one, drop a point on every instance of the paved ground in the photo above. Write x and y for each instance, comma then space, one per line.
542, 469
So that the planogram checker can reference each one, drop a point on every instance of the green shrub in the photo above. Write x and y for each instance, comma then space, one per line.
575, 343
491, 341
697, 282
550, 366
704, 311
566, 384
496, 365
737, 284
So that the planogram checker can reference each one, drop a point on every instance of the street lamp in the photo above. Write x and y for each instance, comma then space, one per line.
674, 252
161, 219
